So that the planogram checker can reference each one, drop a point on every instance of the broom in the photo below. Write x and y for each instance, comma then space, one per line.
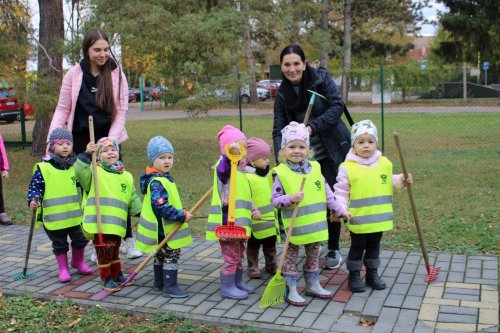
231, 230
105, 293
432, 272
24, 274
275, 290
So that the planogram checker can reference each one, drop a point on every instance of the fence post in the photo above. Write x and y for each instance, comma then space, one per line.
382, 103
464, 80
23, 124
141, 89
239, 102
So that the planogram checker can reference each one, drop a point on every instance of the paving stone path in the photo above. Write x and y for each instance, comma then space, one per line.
464, 298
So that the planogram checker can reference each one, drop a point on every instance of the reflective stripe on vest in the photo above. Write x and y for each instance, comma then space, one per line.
243, 210
115, 193
260, 189
370, 199
61, 204
310, 223
147, 231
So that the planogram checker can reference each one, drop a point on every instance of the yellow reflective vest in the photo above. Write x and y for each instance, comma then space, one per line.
310, 223
260, 189
115, 194
243, 211
61, 205
147, 231
370, 200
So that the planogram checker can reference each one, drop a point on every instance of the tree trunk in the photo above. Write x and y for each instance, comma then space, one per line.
51, 31
249, 61
236, 73
346, 70
323, 61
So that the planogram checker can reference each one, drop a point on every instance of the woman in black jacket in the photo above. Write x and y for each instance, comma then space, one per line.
329, 137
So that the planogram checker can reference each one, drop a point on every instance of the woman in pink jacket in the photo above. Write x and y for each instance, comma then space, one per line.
4, 170
98, 87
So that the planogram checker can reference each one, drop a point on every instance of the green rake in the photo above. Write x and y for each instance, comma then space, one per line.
25, 274
275, 290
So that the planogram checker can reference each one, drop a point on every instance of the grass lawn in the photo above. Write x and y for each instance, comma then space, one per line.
449, 154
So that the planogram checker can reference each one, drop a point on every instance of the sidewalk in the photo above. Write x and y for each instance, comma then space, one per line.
463, 299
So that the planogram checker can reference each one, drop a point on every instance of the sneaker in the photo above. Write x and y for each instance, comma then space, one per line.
129, 248
5, 219
93, 257
333, 259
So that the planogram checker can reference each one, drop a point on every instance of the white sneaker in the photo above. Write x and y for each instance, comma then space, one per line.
129, 248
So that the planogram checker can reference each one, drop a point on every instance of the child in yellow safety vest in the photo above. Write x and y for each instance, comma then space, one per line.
58, 208
310, 227
231, 275
263, 221
363, 195
117, 198
161, 210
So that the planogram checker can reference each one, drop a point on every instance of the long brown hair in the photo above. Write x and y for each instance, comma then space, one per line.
104, 96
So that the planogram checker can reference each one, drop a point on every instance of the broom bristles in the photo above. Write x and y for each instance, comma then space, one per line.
274, 293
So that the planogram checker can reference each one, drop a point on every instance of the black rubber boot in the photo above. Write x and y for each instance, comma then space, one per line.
355, 283
372, 277
170, 287
158, 274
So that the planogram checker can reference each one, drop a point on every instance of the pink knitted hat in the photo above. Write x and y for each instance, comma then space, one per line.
229, 134
294, 131
257, 148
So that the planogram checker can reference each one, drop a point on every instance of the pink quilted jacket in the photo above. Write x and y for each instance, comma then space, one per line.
4, 163
64, 114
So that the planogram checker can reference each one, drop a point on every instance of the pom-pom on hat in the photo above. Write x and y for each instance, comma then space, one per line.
157, 146
363, 127
229, 134
103, 143
59, 134
257, 148
294, 131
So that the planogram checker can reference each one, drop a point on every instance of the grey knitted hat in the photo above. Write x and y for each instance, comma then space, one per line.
59, 134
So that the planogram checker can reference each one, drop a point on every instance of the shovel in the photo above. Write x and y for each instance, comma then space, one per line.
105, 293
231, 230
24, 274
432, 272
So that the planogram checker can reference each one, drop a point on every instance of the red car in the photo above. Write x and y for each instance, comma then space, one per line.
9, 108
271, 85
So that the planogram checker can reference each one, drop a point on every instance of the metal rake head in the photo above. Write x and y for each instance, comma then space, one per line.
432, 274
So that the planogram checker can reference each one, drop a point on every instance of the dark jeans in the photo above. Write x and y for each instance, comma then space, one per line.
329, 171
59, 239
255, 243
367, 244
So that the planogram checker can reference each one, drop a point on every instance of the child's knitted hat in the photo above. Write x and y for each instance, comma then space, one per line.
363, 127
157, 146
229, 134
294, 131
257, 148
105, 142
59, 134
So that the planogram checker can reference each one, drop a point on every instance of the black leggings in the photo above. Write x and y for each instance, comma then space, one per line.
255, 243
367, 244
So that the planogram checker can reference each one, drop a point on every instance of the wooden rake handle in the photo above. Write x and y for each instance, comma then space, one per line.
172, 232
290, 230
30, 237
412, 201
96, 183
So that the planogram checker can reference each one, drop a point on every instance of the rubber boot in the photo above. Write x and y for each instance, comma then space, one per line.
107, 281
171, 289
158, 273
240, 284
313, 287
117, 274
270, 257
78, 261
292, 296
354, 282
372, 277
228, 288
253, 263
62, 262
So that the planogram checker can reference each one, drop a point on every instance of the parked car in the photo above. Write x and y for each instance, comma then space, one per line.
262, 94
270, 85
10, 109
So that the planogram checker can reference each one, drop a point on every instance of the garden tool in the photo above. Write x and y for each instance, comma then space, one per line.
231, 230
100, 241
24, 274
432, 272
105, 293
311, 103
275, 290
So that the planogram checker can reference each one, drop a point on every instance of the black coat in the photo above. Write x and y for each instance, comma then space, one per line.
325, 119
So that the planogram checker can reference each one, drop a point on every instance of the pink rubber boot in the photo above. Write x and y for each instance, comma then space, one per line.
62, 262
78, 261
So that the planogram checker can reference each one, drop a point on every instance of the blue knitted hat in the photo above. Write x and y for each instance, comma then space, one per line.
157, 146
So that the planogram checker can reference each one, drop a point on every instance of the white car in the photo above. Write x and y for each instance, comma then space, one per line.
262, 94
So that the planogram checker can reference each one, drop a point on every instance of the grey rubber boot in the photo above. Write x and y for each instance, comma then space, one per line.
158, 274
355, 283
313, 287
170, 287
372, 277
228, 287
240, 284
292, 296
